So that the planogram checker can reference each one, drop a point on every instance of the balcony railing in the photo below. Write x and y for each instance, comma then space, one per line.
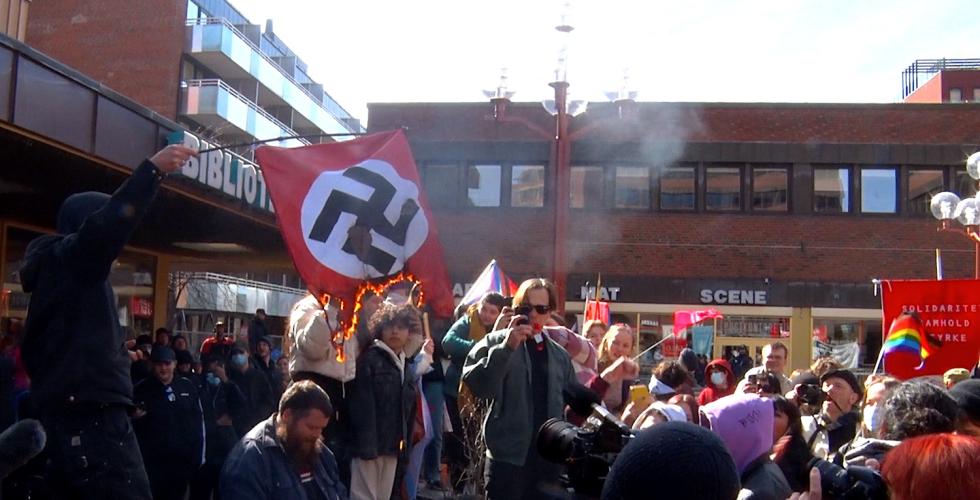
252, 127
302, 101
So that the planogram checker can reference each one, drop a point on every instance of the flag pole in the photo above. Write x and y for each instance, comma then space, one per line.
939, 265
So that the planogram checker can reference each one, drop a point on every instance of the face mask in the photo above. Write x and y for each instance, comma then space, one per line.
213, 379
736, 354
871, 420
239, 360
719, 378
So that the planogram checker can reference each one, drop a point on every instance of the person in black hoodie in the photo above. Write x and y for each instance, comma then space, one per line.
259, 399
73, 345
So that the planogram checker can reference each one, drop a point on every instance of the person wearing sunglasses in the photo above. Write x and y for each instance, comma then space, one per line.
523, 374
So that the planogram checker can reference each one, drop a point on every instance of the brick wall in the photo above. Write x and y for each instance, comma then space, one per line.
133, 47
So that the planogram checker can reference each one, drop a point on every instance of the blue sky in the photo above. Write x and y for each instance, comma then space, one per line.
712, 51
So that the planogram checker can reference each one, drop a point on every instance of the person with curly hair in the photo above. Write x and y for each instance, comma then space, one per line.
382, 403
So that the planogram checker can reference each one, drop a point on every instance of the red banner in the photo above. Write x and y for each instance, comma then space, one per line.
141, 307
353, 213
684, 319
950, 314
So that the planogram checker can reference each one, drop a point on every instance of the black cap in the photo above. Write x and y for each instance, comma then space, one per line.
264, 339
144, 339
183, 357
846, 376
162, 354
967, 396
805, 378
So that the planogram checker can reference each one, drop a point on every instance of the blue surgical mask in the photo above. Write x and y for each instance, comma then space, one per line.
213, 379
239, 360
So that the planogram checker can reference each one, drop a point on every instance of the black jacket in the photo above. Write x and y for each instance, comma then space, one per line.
382, 405
259, 403
224, 399
171, 434
73, 344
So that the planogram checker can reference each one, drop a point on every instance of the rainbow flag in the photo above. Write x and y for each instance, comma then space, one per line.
492, 279
907, 334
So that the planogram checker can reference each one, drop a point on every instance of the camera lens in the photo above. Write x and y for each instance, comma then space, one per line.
556, 440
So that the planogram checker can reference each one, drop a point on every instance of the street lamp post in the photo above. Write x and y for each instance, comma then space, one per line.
947, 206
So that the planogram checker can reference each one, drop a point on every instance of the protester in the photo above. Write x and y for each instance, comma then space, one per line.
73, 344
282, 364
719, 382
523, 376
141, 368
262, 361
219, 344
169, 426
433, 389
740, 362
185, 363
579, 348
259, 399
161, 337
933, 467
617, 372
593, 331
913, 408
878, 389
689, 359
223, 404
313, 356
257, 330
836, 424
745, 423
658, 413
967, 397
954, 376
790, 451
284, 457
179, 343
382, 400
775, 356
670, 461
669, 378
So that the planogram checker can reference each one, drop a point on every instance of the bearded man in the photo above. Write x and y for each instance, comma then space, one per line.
284, 457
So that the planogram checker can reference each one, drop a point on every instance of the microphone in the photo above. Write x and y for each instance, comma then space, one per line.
19, 444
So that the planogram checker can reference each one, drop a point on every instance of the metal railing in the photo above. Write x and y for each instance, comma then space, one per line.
220, 20
910, 77
224, 278
215, 82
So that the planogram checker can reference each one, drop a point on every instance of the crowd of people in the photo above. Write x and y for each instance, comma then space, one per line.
377, 414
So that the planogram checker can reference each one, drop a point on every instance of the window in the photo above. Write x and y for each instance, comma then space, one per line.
193, 11
770, 189
483, 186
723, 188
966, 186
586, 187
976, 95
527, 186
831, 190
633, 187
922, 185
955, 95
677, 188
879, 191
441, 184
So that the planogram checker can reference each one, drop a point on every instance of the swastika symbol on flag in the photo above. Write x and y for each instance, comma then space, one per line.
364, 221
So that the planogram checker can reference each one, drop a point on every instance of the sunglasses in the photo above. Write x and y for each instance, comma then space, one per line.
526, 309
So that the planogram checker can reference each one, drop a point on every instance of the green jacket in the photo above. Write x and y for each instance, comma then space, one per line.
456, 344
503, 376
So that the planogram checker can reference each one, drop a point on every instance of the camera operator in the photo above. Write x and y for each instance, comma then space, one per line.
775, 355
523, 374
837, 422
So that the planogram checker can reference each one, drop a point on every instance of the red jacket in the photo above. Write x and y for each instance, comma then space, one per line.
712, 392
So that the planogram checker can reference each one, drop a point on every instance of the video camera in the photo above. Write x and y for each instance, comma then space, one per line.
588, 451
852, 483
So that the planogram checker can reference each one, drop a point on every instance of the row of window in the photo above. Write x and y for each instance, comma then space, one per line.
765, 188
